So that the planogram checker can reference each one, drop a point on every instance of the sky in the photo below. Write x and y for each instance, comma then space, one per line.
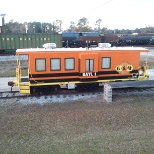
115, 14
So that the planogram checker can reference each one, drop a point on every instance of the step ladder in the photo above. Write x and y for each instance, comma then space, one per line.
24, 88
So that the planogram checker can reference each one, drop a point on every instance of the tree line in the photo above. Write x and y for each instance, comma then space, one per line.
56, 26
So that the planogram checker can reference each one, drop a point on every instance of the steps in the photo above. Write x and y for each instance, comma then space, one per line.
24, 88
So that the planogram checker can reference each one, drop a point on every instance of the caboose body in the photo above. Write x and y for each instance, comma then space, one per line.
77, 68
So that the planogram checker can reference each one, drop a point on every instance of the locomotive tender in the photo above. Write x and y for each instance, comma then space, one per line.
77, 68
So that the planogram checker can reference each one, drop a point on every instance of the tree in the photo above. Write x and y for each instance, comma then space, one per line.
58, 24
83, 22
84, 29
147, 29
137, 30
83, 25
12, 27
36, 27
46, 27
98, 23
23, 27
104, 30
72, 27
53, 27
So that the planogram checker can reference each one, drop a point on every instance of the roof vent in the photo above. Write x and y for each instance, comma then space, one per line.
104, 45
49, 45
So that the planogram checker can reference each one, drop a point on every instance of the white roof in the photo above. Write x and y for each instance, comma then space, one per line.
84, 49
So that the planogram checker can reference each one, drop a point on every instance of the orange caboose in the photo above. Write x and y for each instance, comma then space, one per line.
80, 68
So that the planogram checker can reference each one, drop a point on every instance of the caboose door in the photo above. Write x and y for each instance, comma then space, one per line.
88, 66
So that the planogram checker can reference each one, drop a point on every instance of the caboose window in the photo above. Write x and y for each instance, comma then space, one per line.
55, 64
106, 62
89, 65
69, 63
40, 64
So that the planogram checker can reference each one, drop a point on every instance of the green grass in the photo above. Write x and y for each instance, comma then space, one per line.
78, 128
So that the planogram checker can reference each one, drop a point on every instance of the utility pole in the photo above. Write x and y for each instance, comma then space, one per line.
2, 22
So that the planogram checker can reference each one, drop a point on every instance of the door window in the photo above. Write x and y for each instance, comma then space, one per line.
89, 65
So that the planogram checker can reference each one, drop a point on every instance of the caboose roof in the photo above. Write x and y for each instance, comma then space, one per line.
122, 49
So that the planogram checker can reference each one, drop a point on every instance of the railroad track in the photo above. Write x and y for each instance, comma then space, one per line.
9, 94
63, 93
7, 54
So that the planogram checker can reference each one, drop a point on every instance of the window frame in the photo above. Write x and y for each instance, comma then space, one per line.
89, 65
109, 63
66, 64
59, 65
36, 64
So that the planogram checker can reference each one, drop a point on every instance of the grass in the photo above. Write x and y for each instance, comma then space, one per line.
12, 73
125, 126
8, 68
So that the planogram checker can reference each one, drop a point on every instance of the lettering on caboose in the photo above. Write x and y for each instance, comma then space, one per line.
89, 74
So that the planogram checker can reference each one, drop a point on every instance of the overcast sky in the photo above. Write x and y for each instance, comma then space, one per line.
115, 14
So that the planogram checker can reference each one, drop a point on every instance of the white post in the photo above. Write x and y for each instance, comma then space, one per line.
108, 93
